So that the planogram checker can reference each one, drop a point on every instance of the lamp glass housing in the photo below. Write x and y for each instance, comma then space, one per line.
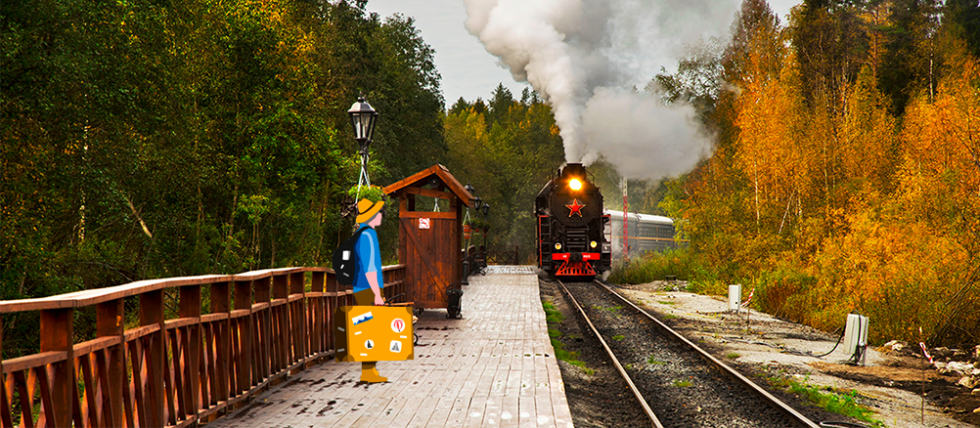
363, 118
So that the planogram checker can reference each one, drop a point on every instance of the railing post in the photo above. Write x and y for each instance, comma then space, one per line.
245, 329
57, 334
190, 307
317, 319
155, 353
263, 343
297, 319
333, 302
5, 418
221, 331
280, 290
109, 322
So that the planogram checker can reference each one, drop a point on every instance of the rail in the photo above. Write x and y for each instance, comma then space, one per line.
654, 421
791, 413
258, 328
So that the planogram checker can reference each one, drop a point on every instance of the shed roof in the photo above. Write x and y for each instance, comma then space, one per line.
439, 171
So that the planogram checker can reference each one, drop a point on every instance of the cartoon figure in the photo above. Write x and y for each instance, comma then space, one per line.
368, 279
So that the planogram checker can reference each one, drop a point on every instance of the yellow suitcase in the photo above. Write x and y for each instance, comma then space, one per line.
374, 333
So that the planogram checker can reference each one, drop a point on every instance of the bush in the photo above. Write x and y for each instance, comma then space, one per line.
654, 266
371, 193
783, 292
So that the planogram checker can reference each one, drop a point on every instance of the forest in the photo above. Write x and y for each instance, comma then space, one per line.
846, 169
148, 139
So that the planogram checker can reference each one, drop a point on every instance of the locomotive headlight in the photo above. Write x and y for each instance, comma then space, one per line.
593, 244
575, 184
557, 245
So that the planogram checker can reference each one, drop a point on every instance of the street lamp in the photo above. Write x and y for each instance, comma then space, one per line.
477, 201
486, 217
466, 251
363, 118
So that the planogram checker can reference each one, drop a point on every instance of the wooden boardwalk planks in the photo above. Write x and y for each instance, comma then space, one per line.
493, 368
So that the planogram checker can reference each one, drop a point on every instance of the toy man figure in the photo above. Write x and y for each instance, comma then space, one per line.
368, 280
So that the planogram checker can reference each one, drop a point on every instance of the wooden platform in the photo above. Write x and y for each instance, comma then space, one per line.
493, 368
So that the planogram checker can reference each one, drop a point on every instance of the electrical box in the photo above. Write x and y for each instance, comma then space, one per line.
374, 333
734, 297
855, 333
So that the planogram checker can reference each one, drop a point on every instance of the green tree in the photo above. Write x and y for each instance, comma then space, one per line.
910, 61
507, 152
965, 16
145, 139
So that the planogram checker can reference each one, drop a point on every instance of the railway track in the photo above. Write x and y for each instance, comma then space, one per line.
675, 382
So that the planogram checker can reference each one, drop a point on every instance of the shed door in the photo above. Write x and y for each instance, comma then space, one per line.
429, 257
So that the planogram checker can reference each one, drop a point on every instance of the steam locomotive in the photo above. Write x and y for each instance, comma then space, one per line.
573, 233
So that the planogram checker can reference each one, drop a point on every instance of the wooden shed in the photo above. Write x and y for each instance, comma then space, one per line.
429, 242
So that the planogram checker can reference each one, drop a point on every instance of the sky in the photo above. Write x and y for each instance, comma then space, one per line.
467, 69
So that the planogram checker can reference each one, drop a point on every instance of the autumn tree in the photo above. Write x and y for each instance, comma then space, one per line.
507, 150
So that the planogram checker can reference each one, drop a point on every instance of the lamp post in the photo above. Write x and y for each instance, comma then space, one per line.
477, 201
363, 118
466, 245
486, 218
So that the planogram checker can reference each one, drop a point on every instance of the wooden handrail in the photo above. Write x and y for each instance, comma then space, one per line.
91, 297
261, 327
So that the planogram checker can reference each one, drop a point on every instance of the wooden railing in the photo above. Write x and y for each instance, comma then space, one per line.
498, 257
258, 328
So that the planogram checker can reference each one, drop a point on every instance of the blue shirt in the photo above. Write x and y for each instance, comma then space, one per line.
368, 259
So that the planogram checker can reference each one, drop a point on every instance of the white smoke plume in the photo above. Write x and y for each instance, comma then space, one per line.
583, 55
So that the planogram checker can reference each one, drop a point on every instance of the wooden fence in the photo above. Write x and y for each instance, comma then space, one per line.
259, 328
499, 257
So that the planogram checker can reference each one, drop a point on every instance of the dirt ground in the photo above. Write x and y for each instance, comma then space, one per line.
757, 343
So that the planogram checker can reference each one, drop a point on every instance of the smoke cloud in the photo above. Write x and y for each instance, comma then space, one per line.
583, 55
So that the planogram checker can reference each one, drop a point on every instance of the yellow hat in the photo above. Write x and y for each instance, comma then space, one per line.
367, 209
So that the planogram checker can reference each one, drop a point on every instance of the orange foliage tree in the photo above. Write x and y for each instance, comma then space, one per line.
823, 199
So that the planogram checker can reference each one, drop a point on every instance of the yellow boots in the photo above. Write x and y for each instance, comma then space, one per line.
370, 374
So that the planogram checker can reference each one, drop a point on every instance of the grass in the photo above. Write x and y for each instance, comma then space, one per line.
733, 355
554, 316
682, 383
613, 309
655, 362
664, 302
618, 337
669, 316
569, 357
842, 402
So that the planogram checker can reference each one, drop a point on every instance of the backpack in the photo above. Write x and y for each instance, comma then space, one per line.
345, 259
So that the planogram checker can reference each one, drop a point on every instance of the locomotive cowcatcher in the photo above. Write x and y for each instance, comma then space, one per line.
573, 234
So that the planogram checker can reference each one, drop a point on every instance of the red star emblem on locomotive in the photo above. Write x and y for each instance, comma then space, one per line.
575, 208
